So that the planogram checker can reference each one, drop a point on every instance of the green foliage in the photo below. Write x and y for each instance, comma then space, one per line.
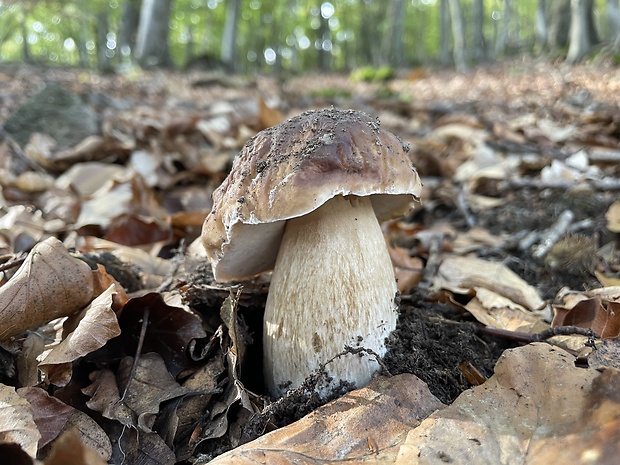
371, 74
330, 93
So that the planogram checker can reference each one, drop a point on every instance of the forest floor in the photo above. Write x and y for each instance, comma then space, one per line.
516, 233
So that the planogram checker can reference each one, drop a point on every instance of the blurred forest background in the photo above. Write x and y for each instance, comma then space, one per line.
292, 36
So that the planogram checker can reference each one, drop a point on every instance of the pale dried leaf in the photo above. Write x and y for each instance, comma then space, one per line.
497, 311
613, 217
97, 326
49, 284
69, 449
16, 422
538, 408
366, 425
459, 274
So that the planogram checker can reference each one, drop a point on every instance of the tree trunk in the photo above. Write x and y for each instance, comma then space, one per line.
541, 24
323, 34
152, 36
25, 44
479, 43
458, 35
103, 59
613, 21
393, 48
501, 41
559, 24
444, 33
129, 26
229, 39
582, 31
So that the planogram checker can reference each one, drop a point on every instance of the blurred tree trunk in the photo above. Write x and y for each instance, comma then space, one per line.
444, 33
479, 43
229, 39
613, 21
104, 63
583, 34
458, 35
129, 25
541, 24
323, 35
152, 36
25, 44
393, 48
559, 24
501, 41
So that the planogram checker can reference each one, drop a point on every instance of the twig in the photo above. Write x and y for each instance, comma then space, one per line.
12, 264
542, 336
134, 366
554, 233
594, 184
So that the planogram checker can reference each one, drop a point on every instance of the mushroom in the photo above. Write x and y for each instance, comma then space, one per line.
304, 198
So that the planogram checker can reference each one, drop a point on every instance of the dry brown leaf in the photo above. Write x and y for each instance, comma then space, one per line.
50, 414
53, 418
49, 284
69, 449
597, 309
538, 408
106, 399
366, 425
16, 421
497, 311
97, 326
459, 274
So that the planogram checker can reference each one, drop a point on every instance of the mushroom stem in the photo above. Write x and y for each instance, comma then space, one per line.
333, 285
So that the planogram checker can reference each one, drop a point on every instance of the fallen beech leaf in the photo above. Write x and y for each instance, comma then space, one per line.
16, 422
50, 414
459, 274
597, 309
497, 311
538, 408
49, 284
97, 326
106, 399
366, 425
151, 385
53, 418
69, 449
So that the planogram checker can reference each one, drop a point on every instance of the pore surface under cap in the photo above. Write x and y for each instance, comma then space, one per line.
293, 168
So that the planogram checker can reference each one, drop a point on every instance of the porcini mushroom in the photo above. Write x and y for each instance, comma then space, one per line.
303, 198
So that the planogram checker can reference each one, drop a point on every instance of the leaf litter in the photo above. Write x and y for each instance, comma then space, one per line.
120, 343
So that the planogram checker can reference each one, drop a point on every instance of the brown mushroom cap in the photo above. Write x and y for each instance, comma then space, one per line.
295, 167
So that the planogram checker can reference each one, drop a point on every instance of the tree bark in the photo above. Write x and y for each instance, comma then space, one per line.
458, 35
152, 36
583, 34
229, 38
501, 41
444, 33
393, 48
479, 43
103, 60
613, 22
559, 24
541, 24
129, 26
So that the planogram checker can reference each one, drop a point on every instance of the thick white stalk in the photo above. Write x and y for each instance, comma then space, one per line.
333, 285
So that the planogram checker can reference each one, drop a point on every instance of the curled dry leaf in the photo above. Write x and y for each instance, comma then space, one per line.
71, 449
366, 425
613, 217
597, 309
49, 284
96, 327
53, 418
16, 422
538, 408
